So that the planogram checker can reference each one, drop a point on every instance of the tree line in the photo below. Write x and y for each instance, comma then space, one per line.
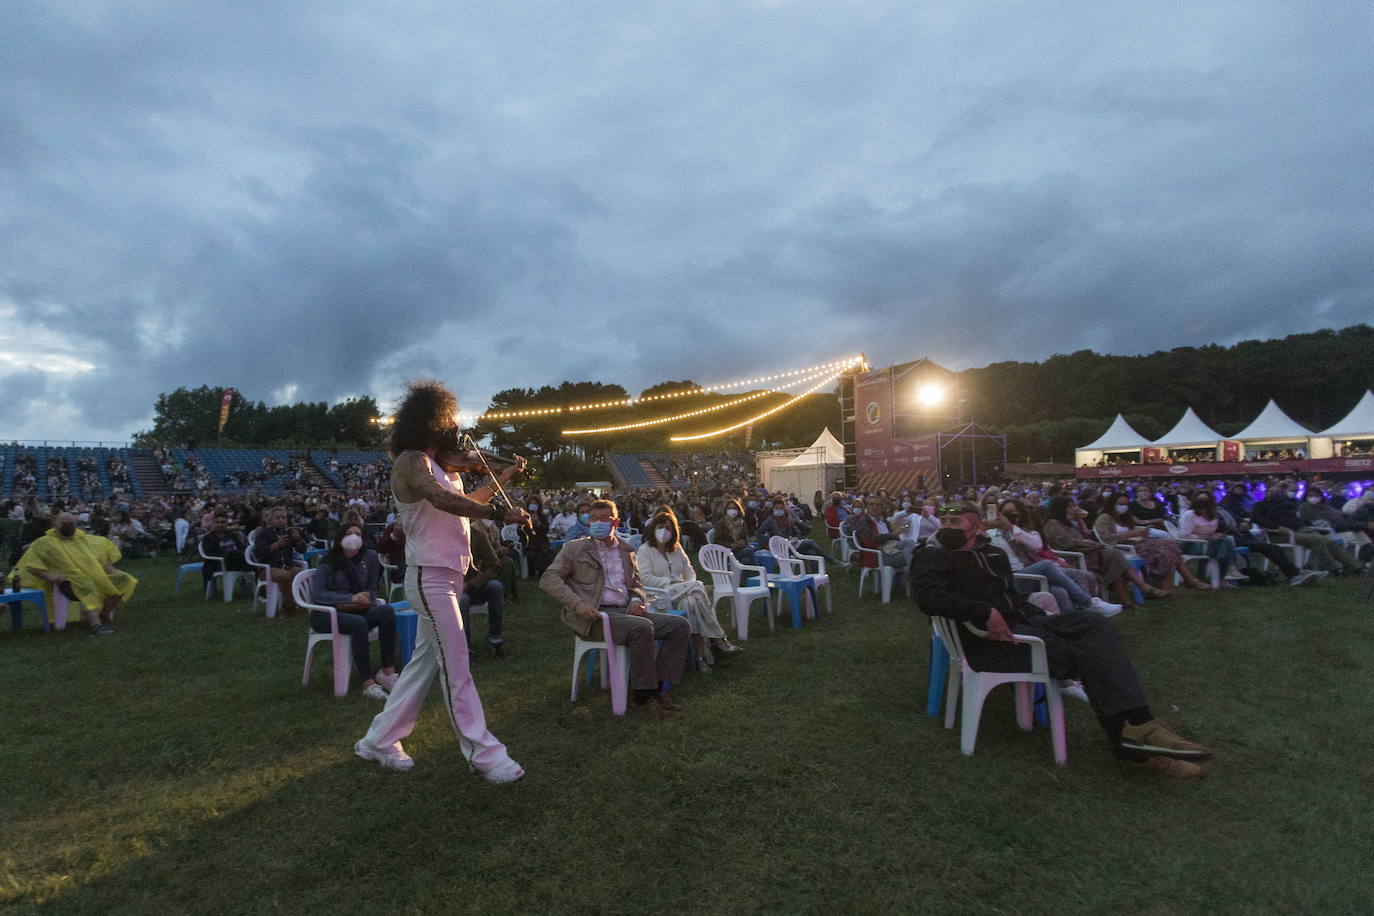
1046, 409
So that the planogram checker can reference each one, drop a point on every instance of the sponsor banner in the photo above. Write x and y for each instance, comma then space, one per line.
224, 402
1212, 468
1152, 455
1231, 450
1338, 464
873, 406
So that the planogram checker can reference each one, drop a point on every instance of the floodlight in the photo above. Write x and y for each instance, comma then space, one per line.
930, 395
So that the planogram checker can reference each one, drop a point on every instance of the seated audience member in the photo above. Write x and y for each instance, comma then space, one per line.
1318, 512
1250, 536
1163, 558
598, 574
872, 532
782, 523
225, 542
834, 513
1236, 502
969, 581
508, 566
482, 585
733, 531
130, 536
346, 579
581, 527
1202, 521
535, 539
391, 547
321, 527
1148, 511
1026, 553
277, 546
1065, 531
81, 567
663, 564
1278, 512
560, 524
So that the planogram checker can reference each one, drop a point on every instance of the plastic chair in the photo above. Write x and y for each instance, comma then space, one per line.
229, 578
976, 685
266, 590
794, 563
615, 664
884, 575
182, 528
15, 600
840, 548
726, 581
61, 605
185, 568
389, 580
343, 658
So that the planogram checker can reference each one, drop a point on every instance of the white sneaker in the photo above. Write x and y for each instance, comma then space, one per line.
375, 691
1106, 609
1073, 689
512, 772
1307, 577
1235, 574
388, 681
396, 760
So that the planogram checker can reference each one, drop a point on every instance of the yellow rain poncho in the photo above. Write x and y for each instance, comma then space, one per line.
81, 560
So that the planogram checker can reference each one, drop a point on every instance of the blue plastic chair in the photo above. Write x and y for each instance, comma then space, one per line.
939, 673
16, 602
182, 571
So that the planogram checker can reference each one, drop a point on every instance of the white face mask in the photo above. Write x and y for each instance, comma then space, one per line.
663, 535
1314, 499
534, 507
906, 504
352, 543
732, 513
1121, 510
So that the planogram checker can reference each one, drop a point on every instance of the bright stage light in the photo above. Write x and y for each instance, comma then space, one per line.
930, 395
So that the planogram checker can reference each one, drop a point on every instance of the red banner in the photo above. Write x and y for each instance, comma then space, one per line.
1152, 455
878, 451
1231, 450
224, 402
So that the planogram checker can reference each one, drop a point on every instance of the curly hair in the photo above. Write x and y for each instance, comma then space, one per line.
427, 408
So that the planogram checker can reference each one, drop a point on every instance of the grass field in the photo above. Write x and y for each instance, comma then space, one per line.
178, 766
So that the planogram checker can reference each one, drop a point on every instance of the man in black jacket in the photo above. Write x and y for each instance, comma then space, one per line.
966, 579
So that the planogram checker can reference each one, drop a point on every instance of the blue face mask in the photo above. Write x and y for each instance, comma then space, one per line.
585, 518
600, 529
779, 513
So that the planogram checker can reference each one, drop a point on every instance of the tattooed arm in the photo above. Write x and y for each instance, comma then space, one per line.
412, 481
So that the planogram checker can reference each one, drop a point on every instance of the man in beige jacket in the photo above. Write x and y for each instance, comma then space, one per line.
599, 573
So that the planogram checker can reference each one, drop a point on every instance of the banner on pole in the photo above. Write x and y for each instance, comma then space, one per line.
224, 402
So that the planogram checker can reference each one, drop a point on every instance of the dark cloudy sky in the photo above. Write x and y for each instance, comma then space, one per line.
308, 200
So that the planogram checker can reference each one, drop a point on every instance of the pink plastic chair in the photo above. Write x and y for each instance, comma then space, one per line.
615, 664
61, 605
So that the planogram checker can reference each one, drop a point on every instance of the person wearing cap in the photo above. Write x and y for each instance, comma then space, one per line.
966, 579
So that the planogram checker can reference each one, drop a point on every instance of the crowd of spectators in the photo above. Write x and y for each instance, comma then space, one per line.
707, 470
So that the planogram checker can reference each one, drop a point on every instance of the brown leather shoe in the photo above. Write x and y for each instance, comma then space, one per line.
666, 703
1174, 769
1158, 739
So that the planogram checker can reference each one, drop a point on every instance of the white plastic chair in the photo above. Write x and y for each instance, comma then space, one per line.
976, 685
182, 527
787, 555
265, 590
510, 534
229, 578
840, 548
883, 574
343, 657
389, 580
615, 665
726, 577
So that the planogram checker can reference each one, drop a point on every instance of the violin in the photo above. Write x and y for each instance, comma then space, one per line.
476, 460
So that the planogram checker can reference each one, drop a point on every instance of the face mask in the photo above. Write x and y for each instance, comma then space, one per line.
906, 504
599, 529
352, 543
585, 518
67, 530
534, 507
1122, 510
951, 538
779, 513
753, 504
663, 535
732, 513
1314, 499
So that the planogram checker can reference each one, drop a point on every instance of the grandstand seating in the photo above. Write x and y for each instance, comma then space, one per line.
629, 472
320, 457
222, 462
41, 454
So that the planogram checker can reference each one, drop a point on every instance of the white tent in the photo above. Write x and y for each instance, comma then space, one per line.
1189, 430
816, 468
1272, 425
1119, 436
1358, 424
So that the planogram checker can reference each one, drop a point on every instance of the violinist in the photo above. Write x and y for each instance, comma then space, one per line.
434, 511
